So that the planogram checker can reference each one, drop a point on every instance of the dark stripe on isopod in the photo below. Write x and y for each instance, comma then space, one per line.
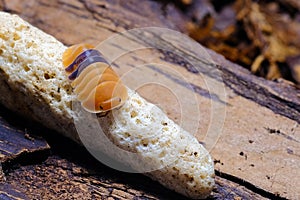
81, 57
85, 63
78, 60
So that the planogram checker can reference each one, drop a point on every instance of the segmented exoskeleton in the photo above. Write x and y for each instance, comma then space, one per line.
96, 84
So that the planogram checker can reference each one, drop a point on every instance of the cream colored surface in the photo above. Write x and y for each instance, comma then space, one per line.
33, 83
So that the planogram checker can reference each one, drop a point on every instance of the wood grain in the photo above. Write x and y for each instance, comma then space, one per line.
16, 142
259, 142
72, 173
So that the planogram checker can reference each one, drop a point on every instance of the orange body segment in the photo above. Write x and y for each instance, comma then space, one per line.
72, 52
105, 96
84, 90
96, 84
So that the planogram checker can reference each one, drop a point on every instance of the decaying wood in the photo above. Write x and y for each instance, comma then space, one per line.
253, 137
76, 174
259, 144
68, 180
16, 142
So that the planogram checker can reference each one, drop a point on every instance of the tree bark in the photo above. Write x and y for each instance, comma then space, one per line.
256, 153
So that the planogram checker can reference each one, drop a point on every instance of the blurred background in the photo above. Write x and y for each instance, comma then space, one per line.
263, 36
258, 148
260, 35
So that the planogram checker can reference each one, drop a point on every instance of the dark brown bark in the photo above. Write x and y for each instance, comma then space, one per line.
70, 172
259, 141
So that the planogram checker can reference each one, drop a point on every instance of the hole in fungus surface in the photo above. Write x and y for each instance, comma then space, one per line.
46, 76
164, 123
138, 102
133, 114
4, 36
162, 154
175, 169
26, 68
30, 44
16, 37
49, 76
154, 141
61, 107
166, 129
127, 135
57, 97
10, 59
145, 143
51, 55
187, 176
138, 121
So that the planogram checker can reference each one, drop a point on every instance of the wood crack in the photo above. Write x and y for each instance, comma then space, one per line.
280, 133
259, 92
249, 186
266, 93
245, 119
194, 88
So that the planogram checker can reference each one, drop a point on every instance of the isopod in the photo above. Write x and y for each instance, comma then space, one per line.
96, 84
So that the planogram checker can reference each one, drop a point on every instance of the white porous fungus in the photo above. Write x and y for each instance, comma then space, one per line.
34, 84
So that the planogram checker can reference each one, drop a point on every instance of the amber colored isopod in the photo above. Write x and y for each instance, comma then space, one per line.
95, 83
